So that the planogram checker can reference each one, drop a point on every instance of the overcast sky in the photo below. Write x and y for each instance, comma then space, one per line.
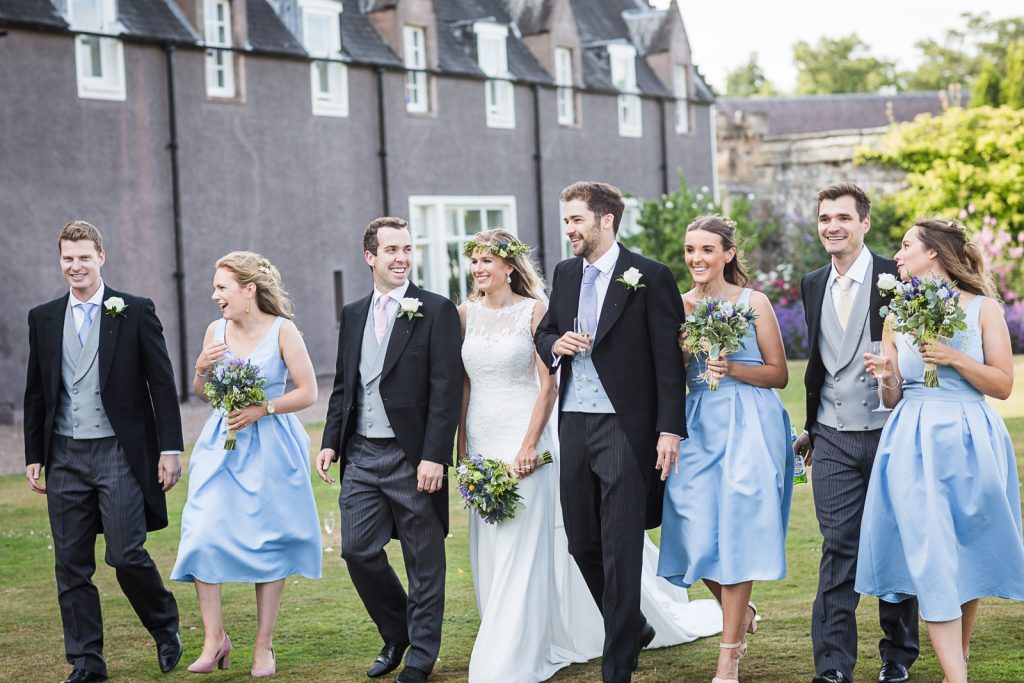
723, 34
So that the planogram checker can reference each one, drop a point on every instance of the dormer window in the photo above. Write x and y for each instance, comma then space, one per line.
321, 36
220, 67
414, 54
682, 93
99, 61
564, 81
492, 58
623, 67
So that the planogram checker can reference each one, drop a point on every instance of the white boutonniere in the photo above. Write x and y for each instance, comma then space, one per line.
114, 306
887, 282
631, 279
409, 307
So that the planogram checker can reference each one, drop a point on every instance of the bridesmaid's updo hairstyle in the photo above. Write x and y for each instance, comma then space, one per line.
248, 267
735, 270
958, 255
526, 280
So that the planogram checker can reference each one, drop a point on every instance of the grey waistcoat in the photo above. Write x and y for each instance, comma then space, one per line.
80, 413
371, 420
848, 394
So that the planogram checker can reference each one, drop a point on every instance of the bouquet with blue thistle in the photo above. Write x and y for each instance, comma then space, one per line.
490, 487
927, 309
716, 326
235, 384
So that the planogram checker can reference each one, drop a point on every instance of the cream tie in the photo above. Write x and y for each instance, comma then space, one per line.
845, 300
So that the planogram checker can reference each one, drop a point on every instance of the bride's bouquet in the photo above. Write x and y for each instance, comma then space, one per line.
716, 325
235, 384
490, 487
927, 309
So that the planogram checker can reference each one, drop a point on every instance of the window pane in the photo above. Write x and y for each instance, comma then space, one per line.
421, 224
323, 79
421, 265
93, 56
456, 281
495, 219
473, 222
317, 36
451, 221
87, 14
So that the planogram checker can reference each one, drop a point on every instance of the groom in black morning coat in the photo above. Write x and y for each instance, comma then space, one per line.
391, 422
621, 408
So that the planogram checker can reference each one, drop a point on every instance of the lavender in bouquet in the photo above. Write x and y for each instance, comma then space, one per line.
716, 325
926, 308
490, 487
235, 384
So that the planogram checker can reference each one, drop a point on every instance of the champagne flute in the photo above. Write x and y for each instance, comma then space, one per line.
878, 349
581, 326
329, 525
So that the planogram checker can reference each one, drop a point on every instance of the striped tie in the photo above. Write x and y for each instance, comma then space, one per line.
588, 296
83, 331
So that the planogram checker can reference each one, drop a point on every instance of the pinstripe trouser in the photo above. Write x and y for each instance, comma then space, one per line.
842, 469
604, 498
89, 482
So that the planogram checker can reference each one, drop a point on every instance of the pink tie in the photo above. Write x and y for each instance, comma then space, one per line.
380, 318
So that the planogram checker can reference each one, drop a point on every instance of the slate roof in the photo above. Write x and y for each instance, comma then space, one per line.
360, 41
37, 13
645, 29
377, 5
701, 90
531, 16
267, 33
822, 113
155, 20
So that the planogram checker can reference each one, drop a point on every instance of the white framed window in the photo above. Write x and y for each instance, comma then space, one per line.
220, 64
492, 57
441, 226
623, 67
628, 226
682, 93
417, 95
564, 81
99, 62
321, 36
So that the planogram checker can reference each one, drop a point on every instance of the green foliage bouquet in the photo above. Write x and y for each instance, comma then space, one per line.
235, 384
927, 309
716, 326
490, 488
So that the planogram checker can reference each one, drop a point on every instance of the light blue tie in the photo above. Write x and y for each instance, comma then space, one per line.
83, 331
588, 297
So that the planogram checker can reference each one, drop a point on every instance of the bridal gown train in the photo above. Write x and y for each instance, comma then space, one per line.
536, 613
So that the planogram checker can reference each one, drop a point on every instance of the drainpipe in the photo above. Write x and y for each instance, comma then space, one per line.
538, 168
179, 246
664, 146
382, 151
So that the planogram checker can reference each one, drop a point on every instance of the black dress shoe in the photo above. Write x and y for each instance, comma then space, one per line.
388, 659
411, 674
643, 639
84, 676
830, 676
168, 654
893, 672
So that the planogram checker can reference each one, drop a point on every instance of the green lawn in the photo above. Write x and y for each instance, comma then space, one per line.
323, 633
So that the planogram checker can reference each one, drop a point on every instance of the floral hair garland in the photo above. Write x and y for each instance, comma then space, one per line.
265, 265
504, 249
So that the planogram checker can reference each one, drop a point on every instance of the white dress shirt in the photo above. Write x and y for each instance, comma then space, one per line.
77, 310
857, 272
605, 266
393, 298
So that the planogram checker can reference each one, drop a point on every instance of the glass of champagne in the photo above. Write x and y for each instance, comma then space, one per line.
878, 349
581, 326
329, 525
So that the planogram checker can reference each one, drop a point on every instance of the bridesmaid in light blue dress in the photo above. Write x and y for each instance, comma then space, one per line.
727, 503
942, 518
250, 514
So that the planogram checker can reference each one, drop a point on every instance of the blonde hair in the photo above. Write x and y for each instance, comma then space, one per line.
76, 231
526, 280
248, 268
958, 255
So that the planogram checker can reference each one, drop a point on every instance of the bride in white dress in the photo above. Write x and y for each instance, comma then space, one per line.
536, 613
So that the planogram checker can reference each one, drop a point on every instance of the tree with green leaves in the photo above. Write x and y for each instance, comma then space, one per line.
748, 80
840, 65
1011, 89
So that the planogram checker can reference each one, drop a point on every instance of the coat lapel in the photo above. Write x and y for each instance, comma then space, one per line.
815, 296
616, 296
400, 334
354, 337
55, 338
109, 326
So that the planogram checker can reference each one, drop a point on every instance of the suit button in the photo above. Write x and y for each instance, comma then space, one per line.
839, 403
837, 378
593, 403
75, 392
97, 392
841, 425
863, 403
866, 427
97, 426
862, 378
369, 424
74, 407
595, 390
369, 410
97, 409
369, 393
76, 424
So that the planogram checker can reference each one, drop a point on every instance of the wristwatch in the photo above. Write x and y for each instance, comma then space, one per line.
270, 408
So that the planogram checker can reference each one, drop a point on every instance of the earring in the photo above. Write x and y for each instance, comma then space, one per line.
508, 278
247, 308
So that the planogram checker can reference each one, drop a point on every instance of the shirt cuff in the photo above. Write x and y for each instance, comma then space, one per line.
671, 434
556, 361
170, 452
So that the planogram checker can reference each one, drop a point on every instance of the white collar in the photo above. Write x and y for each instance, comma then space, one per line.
606, 264
858, 271
96, 298
398, 293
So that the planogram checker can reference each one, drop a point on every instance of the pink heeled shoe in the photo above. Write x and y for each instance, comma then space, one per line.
219, 661
267, 672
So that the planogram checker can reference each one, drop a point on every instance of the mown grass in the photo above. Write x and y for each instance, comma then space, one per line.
324, 634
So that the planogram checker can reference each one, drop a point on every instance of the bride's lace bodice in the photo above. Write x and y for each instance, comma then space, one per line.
499, 357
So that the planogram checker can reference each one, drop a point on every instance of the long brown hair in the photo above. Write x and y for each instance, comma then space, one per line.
736, 270
250, 267
526, 280
958, 255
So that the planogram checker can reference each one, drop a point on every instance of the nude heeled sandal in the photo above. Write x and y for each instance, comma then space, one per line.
730, 646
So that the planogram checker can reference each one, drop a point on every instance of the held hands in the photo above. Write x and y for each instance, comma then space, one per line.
212, 353
938, 354
168, 471
668, 455
32, 475
719, 367
429, 476
570, 343
323, 463
525, 462
243, 417
802, 446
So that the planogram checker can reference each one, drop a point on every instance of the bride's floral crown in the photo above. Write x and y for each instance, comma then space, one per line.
504, 248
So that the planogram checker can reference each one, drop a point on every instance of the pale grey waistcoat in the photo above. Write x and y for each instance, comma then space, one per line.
80, 413
371, 420
584, 392
848, 394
